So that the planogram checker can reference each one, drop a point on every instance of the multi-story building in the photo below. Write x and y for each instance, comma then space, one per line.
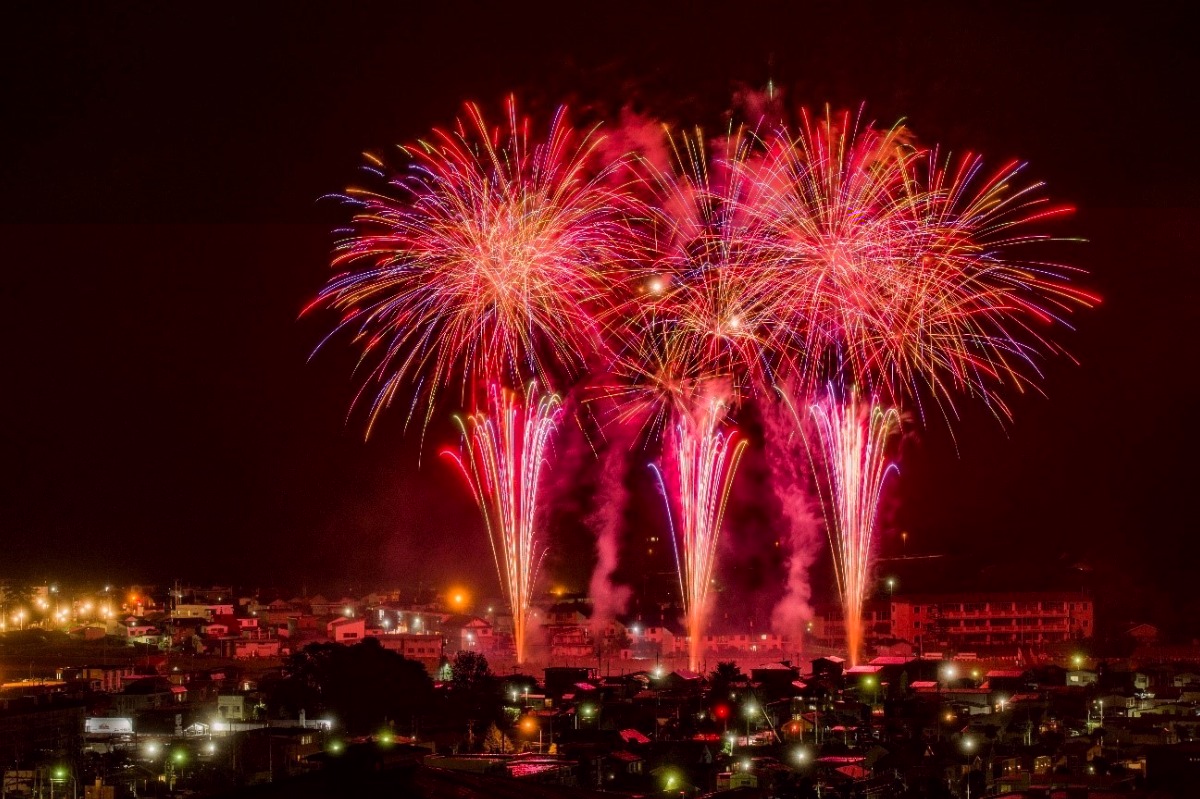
427, 648
992, 619
828, 624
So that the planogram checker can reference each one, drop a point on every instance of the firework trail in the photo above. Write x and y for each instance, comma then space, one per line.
850, 463
706, 459
502, 458
485, 260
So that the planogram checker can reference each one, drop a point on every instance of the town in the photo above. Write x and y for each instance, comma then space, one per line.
186, 691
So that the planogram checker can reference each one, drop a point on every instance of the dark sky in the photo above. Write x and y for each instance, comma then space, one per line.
160, 171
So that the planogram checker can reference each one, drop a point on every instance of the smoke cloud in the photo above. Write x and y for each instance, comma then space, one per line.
790, 476
608, 598
639, 134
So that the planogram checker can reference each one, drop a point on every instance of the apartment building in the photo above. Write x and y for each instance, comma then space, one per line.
992, 619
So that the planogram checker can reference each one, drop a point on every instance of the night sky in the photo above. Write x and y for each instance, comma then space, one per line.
161, 228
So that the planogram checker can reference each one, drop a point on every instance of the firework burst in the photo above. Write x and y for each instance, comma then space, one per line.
901, 271
485, 260
502, 458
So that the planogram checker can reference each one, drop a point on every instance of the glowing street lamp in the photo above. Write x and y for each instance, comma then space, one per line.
528, 726
58, 774
750, 710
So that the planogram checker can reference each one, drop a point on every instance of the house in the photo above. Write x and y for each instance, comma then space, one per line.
346, 606
145, 694
1185, 679
830, 667
1143, 633
775, 679
103, 678
467, 633
683, 683
246, 648
134, 629
426, 649
201, 611
346, 630
1082, 677
650, 642
232, 707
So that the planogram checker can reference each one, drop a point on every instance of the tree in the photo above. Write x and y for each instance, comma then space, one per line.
495, 741
474, 691
724, 675
362, 685
470, 672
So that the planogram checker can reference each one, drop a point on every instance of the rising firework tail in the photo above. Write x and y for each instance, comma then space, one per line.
704, 461
847, 445
502, 456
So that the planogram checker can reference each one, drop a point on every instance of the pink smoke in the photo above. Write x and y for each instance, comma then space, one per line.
638, 134
608, 598
789, 474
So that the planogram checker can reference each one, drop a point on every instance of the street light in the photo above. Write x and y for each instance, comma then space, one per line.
178, 758
968, 746
59, 775
750, 710
529, 724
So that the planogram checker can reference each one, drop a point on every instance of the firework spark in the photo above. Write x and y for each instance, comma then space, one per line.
705, 301
901, 271
485, 260
850, 463
705, 460
502, 458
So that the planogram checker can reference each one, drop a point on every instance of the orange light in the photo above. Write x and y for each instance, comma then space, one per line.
459, 597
